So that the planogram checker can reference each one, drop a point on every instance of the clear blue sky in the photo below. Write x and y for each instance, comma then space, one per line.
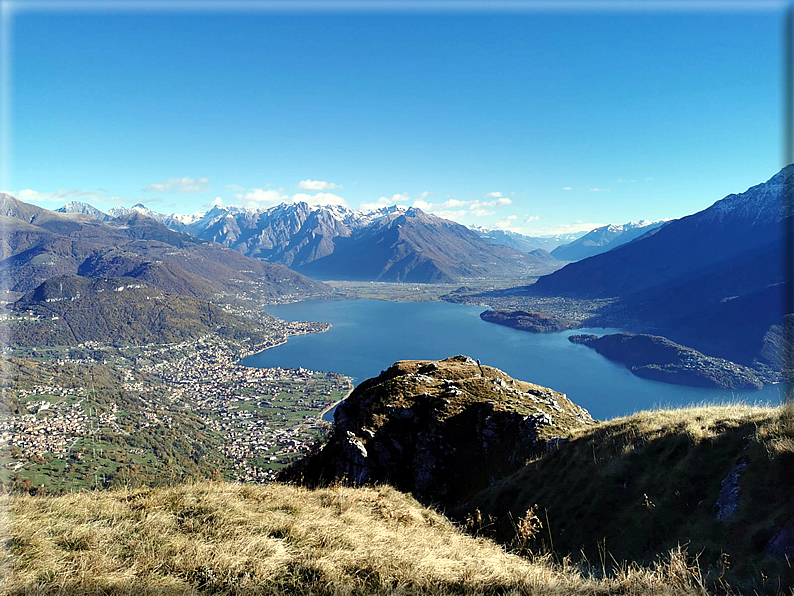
570, 118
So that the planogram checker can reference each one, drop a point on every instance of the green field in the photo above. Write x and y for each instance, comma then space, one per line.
134, 417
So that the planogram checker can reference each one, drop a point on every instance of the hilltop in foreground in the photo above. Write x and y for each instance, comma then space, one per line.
692, 501
440, 429
494, 451
276, 539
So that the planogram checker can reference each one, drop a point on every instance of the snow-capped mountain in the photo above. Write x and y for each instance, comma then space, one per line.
523, 242
759, 205
40, 244
394, 243
603, 239
85, 209
715, 280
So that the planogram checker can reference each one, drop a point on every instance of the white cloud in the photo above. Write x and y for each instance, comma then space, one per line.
507, 223
234, 187
446, 209
395, 199
179, 185
317, 185
514, 223
29, 195
399, 198
385, 202
567, 187
450, 209
498, 199
218, 202
595, 189
259, 197
453, 215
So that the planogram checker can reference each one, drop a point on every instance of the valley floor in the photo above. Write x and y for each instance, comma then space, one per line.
95, 415
418, 292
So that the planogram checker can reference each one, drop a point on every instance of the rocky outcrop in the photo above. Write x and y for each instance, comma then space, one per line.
659, 359
442, 430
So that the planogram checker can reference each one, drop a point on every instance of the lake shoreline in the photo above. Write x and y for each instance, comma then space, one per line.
368, 336
330, 408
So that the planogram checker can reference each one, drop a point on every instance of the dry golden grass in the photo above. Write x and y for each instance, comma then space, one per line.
778, 435
275, 539
697, 422
644, 483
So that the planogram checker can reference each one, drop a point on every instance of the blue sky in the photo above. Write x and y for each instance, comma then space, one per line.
537, 121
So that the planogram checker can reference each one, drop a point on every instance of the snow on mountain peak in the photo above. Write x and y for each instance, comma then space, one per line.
762, 204
84, 208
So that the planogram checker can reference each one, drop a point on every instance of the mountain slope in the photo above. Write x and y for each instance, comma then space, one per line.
85, 209
114, 262
38, 244
714, 280
414, 246
332, 242
120, 311
603, 239
208, 538
715, 478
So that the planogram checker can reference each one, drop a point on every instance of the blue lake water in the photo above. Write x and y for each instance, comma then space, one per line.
367, 336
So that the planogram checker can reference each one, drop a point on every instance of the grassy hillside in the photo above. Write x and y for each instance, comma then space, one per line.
69, 310
718, 479
276, 539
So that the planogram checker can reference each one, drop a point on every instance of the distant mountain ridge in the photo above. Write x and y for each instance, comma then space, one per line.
85, 209
394, 243
603, 239
38, 244
523, 242
714, 280
69, 310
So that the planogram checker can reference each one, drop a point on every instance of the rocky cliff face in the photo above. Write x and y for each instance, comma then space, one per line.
441, 429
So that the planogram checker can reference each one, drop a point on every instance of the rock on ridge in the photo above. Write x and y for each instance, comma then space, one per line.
442, 430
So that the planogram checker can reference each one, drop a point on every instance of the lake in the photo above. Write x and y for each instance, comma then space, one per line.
367, 336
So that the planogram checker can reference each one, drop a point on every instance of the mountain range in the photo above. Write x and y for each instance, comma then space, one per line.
332, 242
714, 280
523, 242
38, 244
603, 239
